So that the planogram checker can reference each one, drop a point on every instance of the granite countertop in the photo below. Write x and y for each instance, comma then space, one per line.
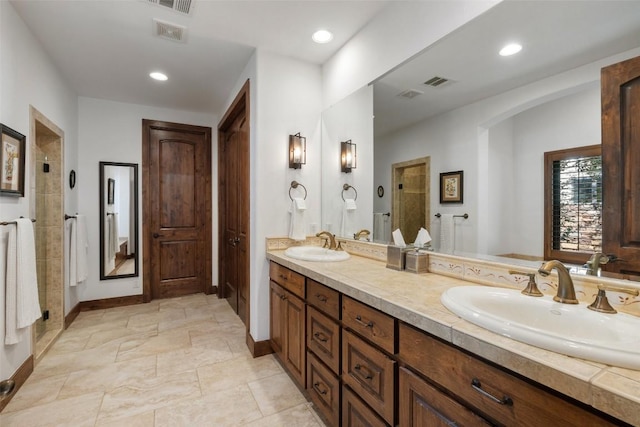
415, 299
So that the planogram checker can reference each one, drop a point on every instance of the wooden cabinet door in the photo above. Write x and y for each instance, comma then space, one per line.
422, 405
620, 159
356, 414
294, 353
276, 317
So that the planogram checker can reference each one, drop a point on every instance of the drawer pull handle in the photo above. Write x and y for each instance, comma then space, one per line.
321, 337
367, 372
321, 297
283, 277
359, 320
316, 387
477, 386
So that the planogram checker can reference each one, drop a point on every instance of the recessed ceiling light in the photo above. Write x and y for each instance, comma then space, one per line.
156, 75
510, 49
322, 36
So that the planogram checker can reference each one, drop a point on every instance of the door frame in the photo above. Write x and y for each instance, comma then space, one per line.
397, 170
241, 104
147, 125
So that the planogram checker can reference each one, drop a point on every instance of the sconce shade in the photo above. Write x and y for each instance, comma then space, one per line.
347, 156
297, 151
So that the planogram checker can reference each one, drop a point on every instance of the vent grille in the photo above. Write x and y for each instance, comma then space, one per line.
169, 31
182, 6
436, 81
410, 93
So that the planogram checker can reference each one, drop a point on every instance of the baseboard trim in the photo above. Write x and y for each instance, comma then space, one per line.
20, 377
69, 318
259, 348
100, 304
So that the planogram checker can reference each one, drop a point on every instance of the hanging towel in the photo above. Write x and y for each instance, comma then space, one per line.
297, 226
447, 233
22, 307
347, 227
114, 236
78, 249
379, 227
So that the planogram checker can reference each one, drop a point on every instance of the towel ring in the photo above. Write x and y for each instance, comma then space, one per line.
295, 184
345, 188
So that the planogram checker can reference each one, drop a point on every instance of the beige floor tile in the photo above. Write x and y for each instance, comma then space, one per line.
77, 412
108, 377
231, 407
188, 359
69, 343
191, 301
138, 396
57, 364
228, 374
37, 392
139, 420
298, 416
155, 317
161, 343
119, 335
276, 393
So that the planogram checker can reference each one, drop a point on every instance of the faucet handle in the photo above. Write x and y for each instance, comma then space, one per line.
601, 303
532, 288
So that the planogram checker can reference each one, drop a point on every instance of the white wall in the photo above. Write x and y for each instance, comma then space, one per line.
560, 110
112, 131
285, 99
394, 35
28, 77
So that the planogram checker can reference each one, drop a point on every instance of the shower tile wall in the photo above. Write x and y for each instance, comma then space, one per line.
414, 197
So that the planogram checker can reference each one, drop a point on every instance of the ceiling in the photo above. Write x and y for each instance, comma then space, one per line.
106, 49
556, 36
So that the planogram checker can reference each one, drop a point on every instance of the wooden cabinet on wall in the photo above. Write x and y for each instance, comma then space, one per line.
363, 367
287, 320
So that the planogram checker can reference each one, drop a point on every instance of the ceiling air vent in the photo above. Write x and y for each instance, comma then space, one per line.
436, 81
182, 6
410, 93
168, 31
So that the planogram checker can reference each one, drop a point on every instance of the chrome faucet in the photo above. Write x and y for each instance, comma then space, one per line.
361, 233
594, 263
566, 292
329, 239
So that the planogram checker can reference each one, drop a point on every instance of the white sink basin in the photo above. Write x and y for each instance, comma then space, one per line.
316, 253
569, 329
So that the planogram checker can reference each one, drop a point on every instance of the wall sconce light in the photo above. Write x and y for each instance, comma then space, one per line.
297, 151
347, 156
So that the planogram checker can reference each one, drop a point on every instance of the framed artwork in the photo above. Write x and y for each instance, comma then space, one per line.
111, 189
12, 160
451, 187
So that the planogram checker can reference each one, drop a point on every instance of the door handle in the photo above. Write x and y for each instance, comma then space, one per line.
236, 240
232, 242
156, 235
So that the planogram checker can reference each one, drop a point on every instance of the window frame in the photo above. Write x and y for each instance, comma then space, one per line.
550, 157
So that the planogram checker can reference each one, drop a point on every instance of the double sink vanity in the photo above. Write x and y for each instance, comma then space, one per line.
374, 346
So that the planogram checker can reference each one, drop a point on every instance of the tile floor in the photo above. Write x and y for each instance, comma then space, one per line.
173, 362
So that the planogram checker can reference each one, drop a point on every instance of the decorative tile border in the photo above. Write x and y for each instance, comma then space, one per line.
371, 250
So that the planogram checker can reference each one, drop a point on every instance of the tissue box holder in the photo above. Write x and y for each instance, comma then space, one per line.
396, 257
417, 262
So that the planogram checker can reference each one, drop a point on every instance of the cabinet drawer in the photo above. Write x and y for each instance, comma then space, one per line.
324, 389
288, 279
496, 394
323, 338
377, 327
324, 299
370, 373
422, 405
356, 414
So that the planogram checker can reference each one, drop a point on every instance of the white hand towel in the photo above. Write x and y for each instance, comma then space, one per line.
73, 253
398, 240
297, 226
378, 227
422, 238
447, 233
347, 226
22, 307
79, 248
114, 238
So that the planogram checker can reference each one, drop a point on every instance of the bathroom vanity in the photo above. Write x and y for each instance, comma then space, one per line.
373, 346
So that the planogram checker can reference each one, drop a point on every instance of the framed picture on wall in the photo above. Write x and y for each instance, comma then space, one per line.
451, 187
12, 158
111, 189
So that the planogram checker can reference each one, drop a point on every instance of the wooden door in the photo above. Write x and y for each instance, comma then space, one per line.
620, 159
177, 214
233, 205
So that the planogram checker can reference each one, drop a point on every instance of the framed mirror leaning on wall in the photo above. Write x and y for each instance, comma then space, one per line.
119, 254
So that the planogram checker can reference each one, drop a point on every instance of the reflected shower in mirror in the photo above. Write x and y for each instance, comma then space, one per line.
118, 220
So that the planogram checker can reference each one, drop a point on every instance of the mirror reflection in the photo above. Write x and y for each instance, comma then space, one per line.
118, 220
494, 117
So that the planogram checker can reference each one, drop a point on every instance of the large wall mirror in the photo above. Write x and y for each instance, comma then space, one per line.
494, 118
119, 254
